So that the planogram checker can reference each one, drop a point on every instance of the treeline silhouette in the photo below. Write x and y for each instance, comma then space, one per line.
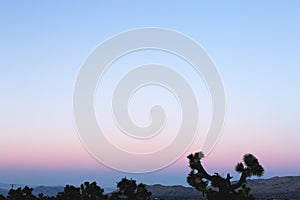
127, 189
213, 187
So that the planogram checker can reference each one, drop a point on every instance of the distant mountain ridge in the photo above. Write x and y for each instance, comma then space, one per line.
287, 188
279, 188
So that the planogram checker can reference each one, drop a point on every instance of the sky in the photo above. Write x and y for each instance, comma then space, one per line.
253, 44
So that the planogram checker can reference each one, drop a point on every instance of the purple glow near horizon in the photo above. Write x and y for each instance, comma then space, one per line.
43, 45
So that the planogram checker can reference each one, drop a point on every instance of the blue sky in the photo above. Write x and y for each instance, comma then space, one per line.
254, 44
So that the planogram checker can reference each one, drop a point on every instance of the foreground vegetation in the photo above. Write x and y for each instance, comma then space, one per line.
216, 187
213, 187
127, 189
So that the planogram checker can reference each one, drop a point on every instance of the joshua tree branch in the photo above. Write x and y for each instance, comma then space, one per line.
240, 181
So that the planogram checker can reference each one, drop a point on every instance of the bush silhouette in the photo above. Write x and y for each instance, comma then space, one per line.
128, 189
70, 193
216, 187
91, 191
2, 197
21, 194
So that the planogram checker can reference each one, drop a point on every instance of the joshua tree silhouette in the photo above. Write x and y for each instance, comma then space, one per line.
216, 187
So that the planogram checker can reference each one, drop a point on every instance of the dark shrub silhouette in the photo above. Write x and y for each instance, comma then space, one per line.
21, 194
2, 197
70, 193
128, 189
91, 191
215, 187
142, 193
43, 197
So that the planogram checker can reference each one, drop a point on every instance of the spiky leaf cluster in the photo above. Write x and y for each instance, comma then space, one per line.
216, 187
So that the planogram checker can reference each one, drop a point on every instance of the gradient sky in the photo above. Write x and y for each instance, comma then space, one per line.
254, 44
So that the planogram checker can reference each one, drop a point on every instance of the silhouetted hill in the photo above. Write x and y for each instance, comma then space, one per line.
263, 189
176, 192
287, 187
3, 191
4, 186
279, 188
48, 191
